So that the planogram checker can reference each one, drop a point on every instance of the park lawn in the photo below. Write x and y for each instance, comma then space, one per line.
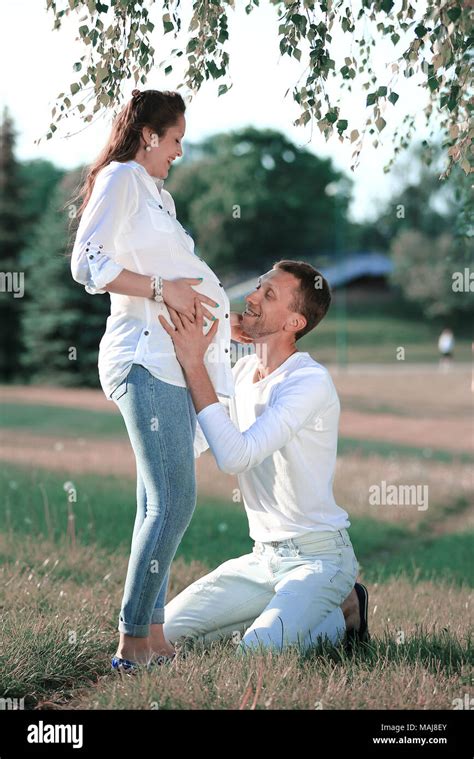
60, 607
36, 504
61, 589
61, 420
389, 449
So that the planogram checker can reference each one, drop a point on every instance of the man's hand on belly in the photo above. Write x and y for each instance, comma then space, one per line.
191, 344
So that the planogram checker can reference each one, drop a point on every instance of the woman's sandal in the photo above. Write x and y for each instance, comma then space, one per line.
127, 667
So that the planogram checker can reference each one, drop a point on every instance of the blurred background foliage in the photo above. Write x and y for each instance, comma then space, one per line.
249, 198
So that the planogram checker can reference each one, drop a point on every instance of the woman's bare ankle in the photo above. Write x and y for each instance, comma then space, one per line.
158, 641
134, 648
164, 650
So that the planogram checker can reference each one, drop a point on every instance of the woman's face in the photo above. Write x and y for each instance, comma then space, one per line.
164, 150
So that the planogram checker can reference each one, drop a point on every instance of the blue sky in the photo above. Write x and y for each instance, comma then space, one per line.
39, 65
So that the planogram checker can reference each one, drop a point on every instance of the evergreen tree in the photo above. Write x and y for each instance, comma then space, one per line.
62, 324
12, 238
38, 179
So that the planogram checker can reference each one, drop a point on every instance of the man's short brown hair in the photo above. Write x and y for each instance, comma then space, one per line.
313, 296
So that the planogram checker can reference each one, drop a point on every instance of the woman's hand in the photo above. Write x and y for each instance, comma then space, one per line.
236, 330
190, 342
180, 296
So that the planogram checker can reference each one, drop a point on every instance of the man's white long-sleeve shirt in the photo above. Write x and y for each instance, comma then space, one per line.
279, 435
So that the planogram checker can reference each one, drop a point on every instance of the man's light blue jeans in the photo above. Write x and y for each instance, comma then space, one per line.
279, 595
160, 421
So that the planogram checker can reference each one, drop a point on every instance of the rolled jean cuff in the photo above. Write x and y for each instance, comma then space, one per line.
138, 631
158, 617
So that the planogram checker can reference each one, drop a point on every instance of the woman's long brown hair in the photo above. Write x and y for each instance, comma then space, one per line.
150, 108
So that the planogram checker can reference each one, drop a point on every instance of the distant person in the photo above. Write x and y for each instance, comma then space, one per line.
446, 347
278, 433
129, 243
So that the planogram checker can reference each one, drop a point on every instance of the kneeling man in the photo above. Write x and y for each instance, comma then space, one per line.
278, 434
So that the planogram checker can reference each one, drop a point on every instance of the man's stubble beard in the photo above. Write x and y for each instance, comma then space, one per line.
261, 331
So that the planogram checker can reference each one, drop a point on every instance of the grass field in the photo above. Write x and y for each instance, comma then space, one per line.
37, 505
63, 564
60, 627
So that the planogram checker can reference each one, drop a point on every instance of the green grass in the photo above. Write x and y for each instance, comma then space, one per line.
57, 635
46, 662
388, 449
60, 420
35, 504
60, 605
55, 654
447, 557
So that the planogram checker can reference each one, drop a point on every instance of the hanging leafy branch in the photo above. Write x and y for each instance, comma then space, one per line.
434, 43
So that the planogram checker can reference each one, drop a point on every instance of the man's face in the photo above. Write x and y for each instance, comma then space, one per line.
268, 306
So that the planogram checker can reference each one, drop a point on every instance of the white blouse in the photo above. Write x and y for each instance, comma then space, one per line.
130, 223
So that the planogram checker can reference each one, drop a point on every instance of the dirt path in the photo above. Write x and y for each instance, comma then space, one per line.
430, 431
455, 435
93, 400
98, 456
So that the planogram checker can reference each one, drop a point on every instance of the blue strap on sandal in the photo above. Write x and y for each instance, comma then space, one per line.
124, 665
128, 667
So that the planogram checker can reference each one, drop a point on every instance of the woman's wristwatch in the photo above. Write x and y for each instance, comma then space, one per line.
157, 285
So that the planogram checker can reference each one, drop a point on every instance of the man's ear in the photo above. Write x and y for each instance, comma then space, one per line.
295, 323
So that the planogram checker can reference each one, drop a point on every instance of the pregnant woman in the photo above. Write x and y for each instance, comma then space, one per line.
130, 244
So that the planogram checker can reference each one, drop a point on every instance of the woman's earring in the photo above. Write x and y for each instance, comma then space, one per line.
148, 148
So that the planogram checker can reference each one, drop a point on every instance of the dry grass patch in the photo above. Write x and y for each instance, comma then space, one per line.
58, 630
